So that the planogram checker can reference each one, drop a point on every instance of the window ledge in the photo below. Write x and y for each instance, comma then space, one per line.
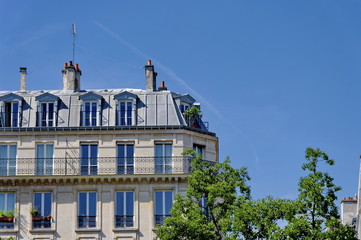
42, 230
8, 230
125, 229
87, 230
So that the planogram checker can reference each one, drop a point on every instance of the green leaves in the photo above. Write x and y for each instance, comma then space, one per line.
230, 213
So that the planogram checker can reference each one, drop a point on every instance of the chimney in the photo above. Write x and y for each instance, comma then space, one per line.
23, 79
71, 77
150, 77
162, 87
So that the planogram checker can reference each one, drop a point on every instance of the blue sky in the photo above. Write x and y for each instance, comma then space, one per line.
273, 77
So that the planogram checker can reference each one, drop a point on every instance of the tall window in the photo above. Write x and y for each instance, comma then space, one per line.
47, 105
44, 159
124, 113
11, 114
87, 209
125, 159
163, 204
89, 114
7, 160
7, 204
47, 114
163, 158
42, 203
11, 106
89, 159
124, 216
199, 149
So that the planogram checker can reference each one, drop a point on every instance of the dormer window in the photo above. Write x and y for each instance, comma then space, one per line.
47, 109
11, 109
125, 109
91, 107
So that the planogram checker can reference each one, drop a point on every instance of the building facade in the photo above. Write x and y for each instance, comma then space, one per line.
94, 164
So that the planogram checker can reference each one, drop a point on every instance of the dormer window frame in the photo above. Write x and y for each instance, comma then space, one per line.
11, 106
45, 102
88, 103
125, 103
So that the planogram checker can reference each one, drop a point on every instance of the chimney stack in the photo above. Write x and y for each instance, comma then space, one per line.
23, 79
162, 87
71, 77
150, 77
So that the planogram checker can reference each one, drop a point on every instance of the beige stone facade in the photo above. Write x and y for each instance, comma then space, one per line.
91, 169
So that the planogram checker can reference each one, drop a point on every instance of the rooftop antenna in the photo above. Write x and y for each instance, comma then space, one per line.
74, 33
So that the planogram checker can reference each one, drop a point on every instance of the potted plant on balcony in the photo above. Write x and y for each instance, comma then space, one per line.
191, 115
7, 216
35, 214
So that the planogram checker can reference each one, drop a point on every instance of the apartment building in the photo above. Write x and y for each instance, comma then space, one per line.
94, 164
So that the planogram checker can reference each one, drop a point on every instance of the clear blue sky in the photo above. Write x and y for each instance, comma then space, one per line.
273, 77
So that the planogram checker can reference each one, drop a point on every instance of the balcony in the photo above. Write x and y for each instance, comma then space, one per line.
95, 166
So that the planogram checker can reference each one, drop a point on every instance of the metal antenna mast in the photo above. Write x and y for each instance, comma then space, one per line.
74, 33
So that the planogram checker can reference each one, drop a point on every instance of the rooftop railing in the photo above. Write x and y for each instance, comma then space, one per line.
95, 166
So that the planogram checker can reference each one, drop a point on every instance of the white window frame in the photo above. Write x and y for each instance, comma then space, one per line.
97, 113
47, 120
8, 159
45, 158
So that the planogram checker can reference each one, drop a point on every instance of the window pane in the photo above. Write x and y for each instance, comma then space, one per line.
168, 202
2, 201
37, 202
158, 203
47, 204
120, 203
40, 151
82, 203
130, 203
92, 204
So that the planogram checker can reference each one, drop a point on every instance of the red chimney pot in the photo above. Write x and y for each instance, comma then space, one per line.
149, 62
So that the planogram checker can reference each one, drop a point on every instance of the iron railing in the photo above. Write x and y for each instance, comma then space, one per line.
86, 221
159, 219
124, 221
95, 166
41, 222
7, 223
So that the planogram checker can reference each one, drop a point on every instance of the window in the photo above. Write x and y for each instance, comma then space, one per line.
125, 159
90, 114
163, 204
124, 215
12, 114
47, 110
11, 106
199, 149
42, 203
44, 159
125, 108
163, 158
89, 159
7, 160
7, 205
124, 113
184, 107
203, 206
87, 210
46, 114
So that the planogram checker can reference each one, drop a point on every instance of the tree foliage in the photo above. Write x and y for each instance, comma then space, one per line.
230, 213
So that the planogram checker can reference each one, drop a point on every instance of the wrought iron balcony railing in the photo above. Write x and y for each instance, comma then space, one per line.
86, 221
123, 221
95, 166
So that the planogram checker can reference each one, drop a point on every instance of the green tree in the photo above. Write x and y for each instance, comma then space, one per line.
316, 213
219, 186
